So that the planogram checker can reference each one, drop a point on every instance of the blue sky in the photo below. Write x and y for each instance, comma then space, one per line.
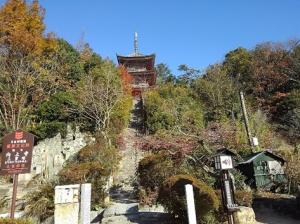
192, 32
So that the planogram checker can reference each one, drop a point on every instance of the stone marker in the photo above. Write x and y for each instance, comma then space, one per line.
67, 204
244, 215
72, 204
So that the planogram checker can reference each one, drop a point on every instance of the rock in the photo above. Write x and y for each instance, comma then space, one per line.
50, 154
49, 220
244, 215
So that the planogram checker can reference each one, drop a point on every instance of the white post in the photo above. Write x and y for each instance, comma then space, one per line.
85, 204
190, 203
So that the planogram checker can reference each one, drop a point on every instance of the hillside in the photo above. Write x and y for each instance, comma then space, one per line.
139, 139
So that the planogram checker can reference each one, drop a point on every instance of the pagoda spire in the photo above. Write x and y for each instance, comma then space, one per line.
136, 49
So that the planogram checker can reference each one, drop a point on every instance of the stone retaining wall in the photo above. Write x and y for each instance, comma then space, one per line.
50, 154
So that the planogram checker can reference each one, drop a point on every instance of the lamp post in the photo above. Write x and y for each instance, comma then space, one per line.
223, 163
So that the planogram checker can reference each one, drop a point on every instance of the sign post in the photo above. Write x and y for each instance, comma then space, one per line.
16, 158
223, 163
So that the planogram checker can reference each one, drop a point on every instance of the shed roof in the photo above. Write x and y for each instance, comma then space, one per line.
253, 156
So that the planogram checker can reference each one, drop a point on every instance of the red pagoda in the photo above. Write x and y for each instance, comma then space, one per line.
140, 67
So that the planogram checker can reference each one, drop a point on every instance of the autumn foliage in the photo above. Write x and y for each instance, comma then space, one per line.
126, 79
22, 26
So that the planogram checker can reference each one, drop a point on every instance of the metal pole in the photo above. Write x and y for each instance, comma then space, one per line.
190, 203
14, 195
230, 218
246, 120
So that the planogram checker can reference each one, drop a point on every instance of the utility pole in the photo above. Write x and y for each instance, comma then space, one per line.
246, 121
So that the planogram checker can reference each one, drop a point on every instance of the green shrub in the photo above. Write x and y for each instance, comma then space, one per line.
121, 115
56, 108
14, 221
52, 116
171, 107
50, 129
172, 197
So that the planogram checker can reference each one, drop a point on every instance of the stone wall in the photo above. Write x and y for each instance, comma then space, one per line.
50, 154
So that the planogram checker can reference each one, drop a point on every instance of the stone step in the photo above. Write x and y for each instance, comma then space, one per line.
116, 220
138, 218
118, 209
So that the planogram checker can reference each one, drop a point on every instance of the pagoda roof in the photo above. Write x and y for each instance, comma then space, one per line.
136, 56
150, 58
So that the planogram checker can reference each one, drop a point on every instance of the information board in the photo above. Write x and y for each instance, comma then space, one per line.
16, 153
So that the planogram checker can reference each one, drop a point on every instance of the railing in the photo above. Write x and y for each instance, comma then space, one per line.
136, 69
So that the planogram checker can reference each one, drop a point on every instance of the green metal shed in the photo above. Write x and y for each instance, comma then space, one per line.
263, 170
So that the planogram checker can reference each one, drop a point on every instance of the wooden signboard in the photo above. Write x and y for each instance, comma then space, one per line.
16, 158
16, 153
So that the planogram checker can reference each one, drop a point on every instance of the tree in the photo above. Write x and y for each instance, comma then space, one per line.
173, 108
21, 89
98, 94
89, 58
288, 115
23, 80
269, 66
188, 74
237, 64
163, 73
68, 62
293, 70
126, 79
217, 91
22, 27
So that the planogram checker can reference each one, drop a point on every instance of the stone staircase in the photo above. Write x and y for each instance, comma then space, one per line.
124, 207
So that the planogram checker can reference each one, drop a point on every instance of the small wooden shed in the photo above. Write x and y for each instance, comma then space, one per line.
263, 170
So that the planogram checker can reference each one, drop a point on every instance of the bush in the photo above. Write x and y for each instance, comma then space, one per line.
243, 198
172, 197
14, 221
93, 164
153, 170
40, 203
81, 172
87, 172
